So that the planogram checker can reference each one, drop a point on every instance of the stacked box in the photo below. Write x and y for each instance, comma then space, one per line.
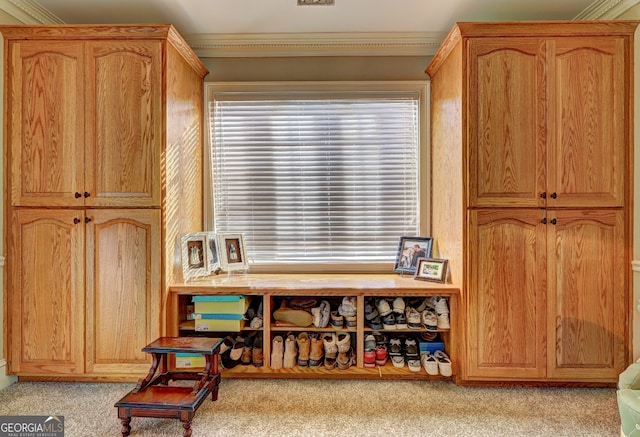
431, 346
220, 312
185, 360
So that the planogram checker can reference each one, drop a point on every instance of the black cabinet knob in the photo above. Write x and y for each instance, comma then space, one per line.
554, 221
87, 219
544, 221
76, 220
543, 195
86, 194
78, 195
554, 195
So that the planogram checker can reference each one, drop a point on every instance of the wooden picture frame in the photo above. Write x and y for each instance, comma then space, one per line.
410, 250
432, 269
233, 256
194, 255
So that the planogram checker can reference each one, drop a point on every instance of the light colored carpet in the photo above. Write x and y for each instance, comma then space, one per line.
248, 407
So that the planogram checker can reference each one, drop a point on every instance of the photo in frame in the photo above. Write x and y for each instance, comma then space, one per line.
213, 257
410, 250
432, 269
194, 255
232, 253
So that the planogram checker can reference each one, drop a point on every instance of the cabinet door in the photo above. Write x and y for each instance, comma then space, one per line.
45, 295
46, 123
589, 127
506, 303
124, 123
123, 289
507, 119
587, 295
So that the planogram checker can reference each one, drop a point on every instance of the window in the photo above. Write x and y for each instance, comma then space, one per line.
323, 175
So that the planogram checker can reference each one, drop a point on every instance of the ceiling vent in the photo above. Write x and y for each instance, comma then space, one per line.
316, 2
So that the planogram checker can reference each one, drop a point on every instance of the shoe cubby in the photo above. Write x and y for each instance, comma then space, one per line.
325, 326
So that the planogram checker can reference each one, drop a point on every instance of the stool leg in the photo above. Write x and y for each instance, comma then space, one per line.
186, 424
126, 427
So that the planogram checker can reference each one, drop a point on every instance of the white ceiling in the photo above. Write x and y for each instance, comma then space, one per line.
284, 16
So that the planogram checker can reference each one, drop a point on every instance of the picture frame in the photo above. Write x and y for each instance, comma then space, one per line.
213, 253
231, 249
194, 255
432, 269
410, 250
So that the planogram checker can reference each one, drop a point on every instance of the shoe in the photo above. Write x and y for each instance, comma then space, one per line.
429, 363
414, 364
443, 321
395, 347
383, 307
428, 336
257, 356
294, 316
369, 342
302, 303
256, 322
401, 321
397, 361
227, 345
315, 312
350, 321
440, 304
304, 346
232, 359
277, 352
381, 354
398, 305
325, 314
370, 311
414, 320
369, 358
411, 348
298, 317
330, 350
430, 320
290, 352
247, 352
316, 354
444, 363
337, 320
375, 323
389, 322
345, 352
348, 306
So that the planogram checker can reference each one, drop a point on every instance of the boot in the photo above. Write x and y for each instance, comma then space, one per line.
303, 349
316, 354
290, 352
257, 354
345, 353
277, 353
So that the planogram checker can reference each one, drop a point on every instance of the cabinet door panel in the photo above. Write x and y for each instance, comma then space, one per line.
123, 289
587, 297
46, 298
506, 122
589, 119
506, 302
46, 123
124, 123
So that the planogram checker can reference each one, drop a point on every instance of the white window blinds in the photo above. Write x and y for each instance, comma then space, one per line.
316, 179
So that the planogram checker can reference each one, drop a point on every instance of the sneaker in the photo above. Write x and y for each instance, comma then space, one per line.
430, 320
397, 361
369, 342
325, 314
443, 321
369, 351
440, 304
395, 347
414, 364
370, 311
444, 363
345, 352
389, 322
401, 321
337, 320
398, 305
429, 363
383, 307
381, 354
414, 320
350, 321
348, 306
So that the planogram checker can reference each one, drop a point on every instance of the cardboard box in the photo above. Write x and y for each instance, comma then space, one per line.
185, 360
221, 304
219, 324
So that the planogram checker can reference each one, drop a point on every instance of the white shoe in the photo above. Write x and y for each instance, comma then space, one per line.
430, 320
429, 363
443, 321
441, 305
444, 363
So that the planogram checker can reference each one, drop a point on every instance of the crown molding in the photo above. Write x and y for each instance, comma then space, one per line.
316, 44
28, 12
606, 9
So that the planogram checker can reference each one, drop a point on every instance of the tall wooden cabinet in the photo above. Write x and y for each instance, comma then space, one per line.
103, 168
531, 183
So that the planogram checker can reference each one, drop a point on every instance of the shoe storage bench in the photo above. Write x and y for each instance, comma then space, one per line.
271, 290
